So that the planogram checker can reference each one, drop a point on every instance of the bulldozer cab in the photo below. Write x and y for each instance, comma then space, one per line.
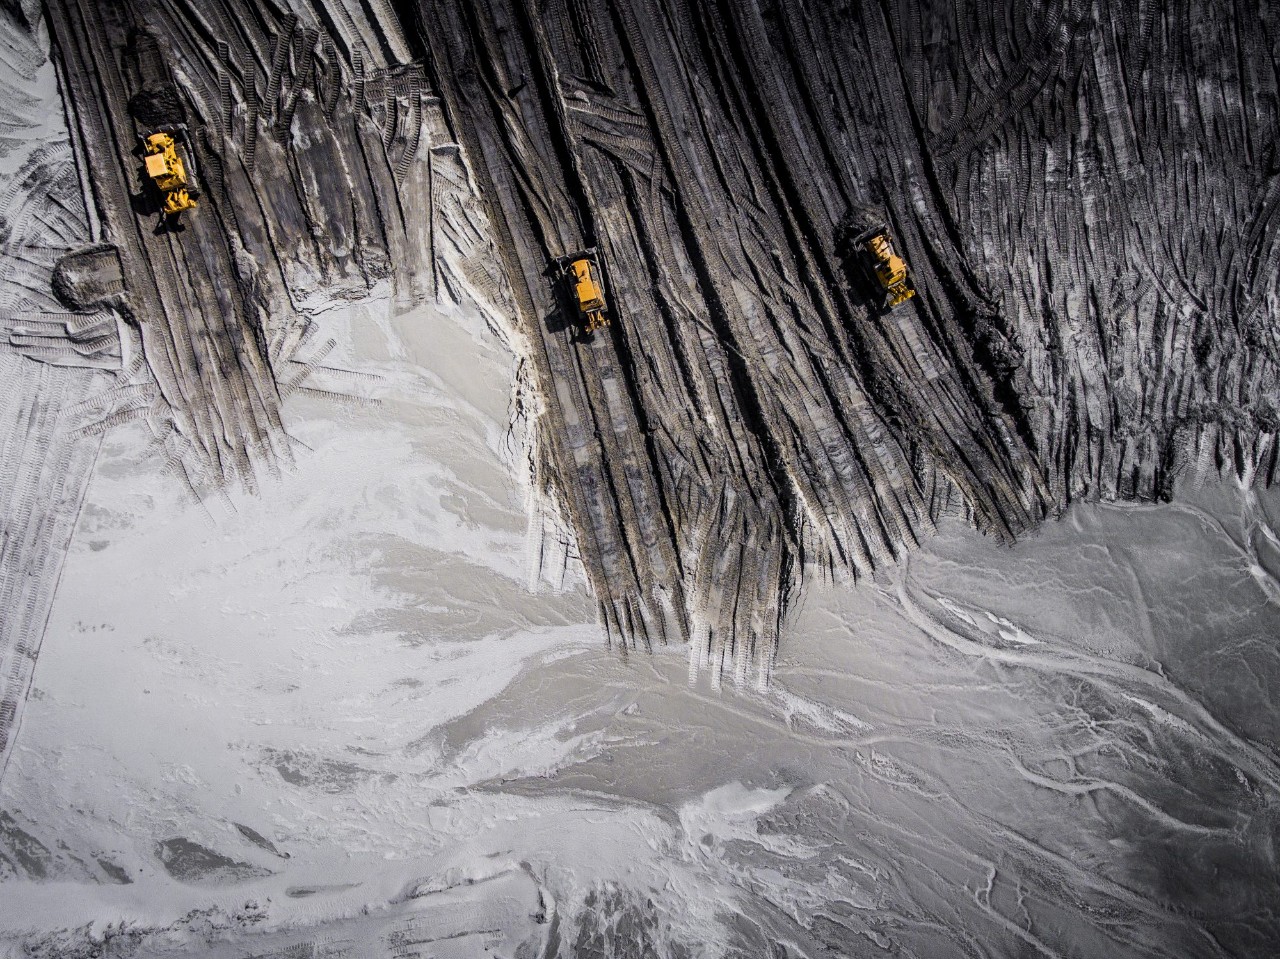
590, 296
158, 166
581, 271
163, 164
167, 172
891, 269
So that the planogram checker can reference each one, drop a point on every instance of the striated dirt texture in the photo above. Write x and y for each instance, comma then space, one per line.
1083, 192
747, 412
313, 163
217, 299
327, 718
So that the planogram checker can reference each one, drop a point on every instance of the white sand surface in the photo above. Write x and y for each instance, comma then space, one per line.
334, 714
332, 719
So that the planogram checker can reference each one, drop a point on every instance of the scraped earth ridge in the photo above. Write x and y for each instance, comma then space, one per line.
1083, 193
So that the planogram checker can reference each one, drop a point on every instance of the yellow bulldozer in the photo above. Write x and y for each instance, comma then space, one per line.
579, 270
167, 173
890, 269
868, 249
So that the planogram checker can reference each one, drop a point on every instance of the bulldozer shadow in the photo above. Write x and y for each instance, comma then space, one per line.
147, 203
145, 206
862, 284
169, 224
558, 320
566, 319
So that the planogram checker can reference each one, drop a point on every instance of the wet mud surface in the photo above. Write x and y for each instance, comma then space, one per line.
753, 410
1085, 196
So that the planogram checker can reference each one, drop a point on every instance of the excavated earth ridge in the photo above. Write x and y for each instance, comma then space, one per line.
1085, 193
